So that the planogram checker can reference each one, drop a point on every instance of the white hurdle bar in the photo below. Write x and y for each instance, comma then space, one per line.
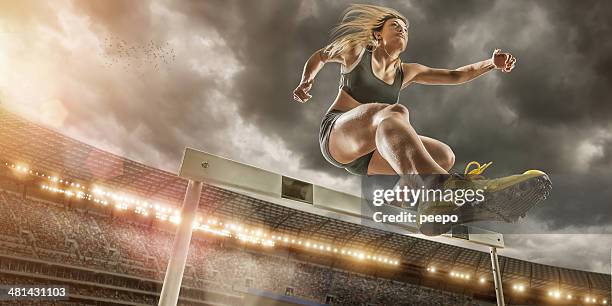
201, 167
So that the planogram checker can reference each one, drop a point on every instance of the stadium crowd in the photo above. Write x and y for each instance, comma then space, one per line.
137, 253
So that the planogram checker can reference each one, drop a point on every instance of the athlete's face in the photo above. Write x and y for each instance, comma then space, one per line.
394, 34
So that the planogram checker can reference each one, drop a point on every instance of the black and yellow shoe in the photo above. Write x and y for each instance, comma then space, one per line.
505, 199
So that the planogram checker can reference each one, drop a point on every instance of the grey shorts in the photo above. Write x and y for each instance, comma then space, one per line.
359, 166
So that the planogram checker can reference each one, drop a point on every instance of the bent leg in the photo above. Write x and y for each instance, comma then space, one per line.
399, 144
439, 151
386, 129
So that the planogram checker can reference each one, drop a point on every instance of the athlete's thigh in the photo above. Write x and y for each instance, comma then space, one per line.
353, 133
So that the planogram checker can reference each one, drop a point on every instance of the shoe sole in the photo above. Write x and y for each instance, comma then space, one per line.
509, 204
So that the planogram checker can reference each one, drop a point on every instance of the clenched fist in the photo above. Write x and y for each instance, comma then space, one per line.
300, 94
503, 61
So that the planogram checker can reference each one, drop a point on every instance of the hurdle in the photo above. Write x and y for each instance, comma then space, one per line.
203, 168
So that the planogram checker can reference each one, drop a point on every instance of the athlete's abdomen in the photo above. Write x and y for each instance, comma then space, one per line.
344, 102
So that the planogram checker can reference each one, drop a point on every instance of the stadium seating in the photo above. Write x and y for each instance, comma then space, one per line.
212, 267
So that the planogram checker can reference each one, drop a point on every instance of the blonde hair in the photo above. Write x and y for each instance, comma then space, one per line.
357, 27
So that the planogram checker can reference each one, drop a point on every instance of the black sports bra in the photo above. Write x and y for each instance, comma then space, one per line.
361, 83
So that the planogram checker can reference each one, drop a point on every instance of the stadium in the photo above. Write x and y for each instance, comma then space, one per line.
103, 226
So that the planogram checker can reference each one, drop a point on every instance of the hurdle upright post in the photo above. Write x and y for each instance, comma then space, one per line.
178, 258
497, 280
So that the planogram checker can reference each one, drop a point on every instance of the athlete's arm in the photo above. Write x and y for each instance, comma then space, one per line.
421, 74
314, 64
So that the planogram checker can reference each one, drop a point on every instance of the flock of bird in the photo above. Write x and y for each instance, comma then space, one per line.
137, 57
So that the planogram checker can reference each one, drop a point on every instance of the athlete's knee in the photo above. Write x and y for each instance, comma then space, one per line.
396, 110
392, 115
373, 109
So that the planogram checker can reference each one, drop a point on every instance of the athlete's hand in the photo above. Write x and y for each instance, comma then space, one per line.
503, 61
300, 94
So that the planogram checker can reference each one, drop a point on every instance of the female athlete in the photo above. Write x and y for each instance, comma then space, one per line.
365, 130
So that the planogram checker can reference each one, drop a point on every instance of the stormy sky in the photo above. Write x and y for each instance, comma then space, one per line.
146, 79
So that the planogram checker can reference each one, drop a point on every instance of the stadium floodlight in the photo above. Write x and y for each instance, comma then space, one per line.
521, 288
201, 167
555, 293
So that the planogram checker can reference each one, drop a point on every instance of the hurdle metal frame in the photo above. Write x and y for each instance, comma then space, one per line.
203, 168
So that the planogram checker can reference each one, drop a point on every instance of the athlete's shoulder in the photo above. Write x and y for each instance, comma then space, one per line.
411, 70
352, 55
